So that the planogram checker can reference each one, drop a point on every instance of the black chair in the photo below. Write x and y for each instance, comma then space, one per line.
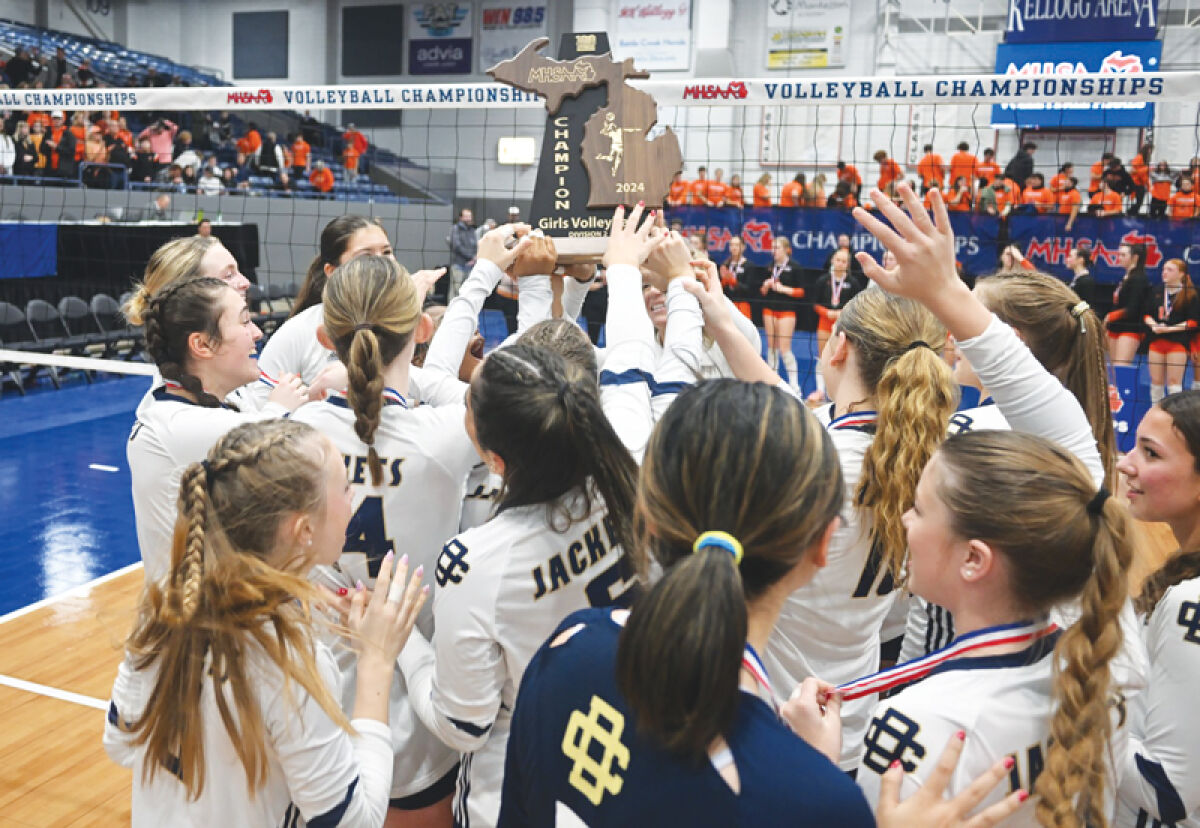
50, 331
16, 335
125, 340
79, 322
280, 298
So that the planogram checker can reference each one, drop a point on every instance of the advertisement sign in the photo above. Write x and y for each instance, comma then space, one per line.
439, 39
1058, 21
657, 35
506, 28
1118, 59
807, 34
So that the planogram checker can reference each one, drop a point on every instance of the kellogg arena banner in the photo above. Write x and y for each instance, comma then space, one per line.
1114, 59
1056, 21
506, 28
978, 239
1045, 90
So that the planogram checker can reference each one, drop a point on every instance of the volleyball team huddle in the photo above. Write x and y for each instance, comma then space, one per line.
390, 580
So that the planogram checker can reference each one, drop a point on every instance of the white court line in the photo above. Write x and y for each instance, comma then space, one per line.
73, 592
102, 467
53, 692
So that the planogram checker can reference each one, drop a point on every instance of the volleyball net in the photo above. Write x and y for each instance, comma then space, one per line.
433, 149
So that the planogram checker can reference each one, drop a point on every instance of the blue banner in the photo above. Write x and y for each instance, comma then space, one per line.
440, 39
1054, 21
30, 250
1111, 58
1044, 240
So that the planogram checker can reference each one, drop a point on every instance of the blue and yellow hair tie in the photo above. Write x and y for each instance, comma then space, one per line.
723, 540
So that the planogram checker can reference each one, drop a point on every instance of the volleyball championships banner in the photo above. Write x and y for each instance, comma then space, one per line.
1044, 240
1038, 90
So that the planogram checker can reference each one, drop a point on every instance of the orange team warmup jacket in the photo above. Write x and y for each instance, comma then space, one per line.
716, 193
1182, 206
322, 179
1107, 201
677, 196
792, 195
962, 165
987, 170
932, 170
762, 195
889, 171
1067, 200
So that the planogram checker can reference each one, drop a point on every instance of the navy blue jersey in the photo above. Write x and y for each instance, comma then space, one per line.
575, 756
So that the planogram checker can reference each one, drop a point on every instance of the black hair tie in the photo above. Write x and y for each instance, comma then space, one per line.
920, 343
1096, 504
363, 326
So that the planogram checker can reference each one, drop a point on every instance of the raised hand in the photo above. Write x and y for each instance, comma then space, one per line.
628, 244
497, 245
814, 713
382, 623
290, 392
670, 257
426, 279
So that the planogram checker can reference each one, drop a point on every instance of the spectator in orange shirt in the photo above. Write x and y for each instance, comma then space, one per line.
698, 189
1059, 181
350, 156
1069, 201
321, 177
958, 200
762, 191
1005, 198
889, 170
733, 194
962, 165
1183, 203
1139, 171
1160, 189
79, 128
793, 192
842, 197
848, 173
1105, 202
987, 169
933, 185
1036, 198
715, 194
40, 118
301, 150
356, 138
1098, 173
123, 133
677, 195
931, 169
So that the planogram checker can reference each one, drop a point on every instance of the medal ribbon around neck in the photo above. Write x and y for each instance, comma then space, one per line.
754, 666
1024, 632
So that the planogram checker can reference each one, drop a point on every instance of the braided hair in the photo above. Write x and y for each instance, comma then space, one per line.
174, 314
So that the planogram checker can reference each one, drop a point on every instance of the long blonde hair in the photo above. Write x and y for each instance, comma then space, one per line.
227, 598
1066, 337
1024, 495
175, 261
371, 311
898, 344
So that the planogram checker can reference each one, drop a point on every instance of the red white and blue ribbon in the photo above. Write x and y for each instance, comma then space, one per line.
753, 665
1007, 634
855, 419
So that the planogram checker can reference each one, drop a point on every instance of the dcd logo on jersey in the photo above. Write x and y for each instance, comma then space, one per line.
889, 739
595, 777
452, 564
1189, 619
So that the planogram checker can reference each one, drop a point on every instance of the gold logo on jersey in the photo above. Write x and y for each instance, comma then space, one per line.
604, 725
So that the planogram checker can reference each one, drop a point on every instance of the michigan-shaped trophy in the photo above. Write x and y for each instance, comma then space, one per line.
596, 141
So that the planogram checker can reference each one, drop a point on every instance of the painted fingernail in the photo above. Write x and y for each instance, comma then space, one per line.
404, 559
342, 591
895, 764
359, 586
1009, 762
641, 204
1022, 796
420, 571
425, 589
389, 555
961, 735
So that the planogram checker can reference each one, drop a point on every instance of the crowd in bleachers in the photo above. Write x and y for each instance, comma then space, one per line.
969, 183
192, 152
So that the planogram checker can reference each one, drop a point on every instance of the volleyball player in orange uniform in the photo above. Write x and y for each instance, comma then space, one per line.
677, 195
782, 289
988, 169
1106, 202
793, 192
715, 194
762, 191
1059, 180
1037, 195
1182, 205
698, 189
931, 169
733, 193
1173, 319
962, 165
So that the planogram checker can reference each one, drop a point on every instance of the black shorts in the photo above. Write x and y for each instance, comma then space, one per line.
435, 793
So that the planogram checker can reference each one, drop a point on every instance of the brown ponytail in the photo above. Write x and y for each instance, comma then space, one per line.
1066, 339
371, 311
335, 240
680, 651
1024, 495
898, 344
229, 596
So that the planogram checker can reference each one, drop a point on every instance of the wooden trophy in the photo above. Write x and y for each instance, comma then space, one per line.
595, 140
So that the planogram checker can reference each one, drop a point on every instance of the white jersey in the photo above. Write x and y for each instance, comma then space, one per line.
316, 771
480, 499
1004, 703
1159, 776
426, 457
170, 434
502, 588
245, 399
294, 349
830, 627
984, 417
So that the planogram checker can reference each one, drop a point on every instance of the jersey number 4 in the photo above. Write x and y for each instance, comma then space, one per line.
367, 535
